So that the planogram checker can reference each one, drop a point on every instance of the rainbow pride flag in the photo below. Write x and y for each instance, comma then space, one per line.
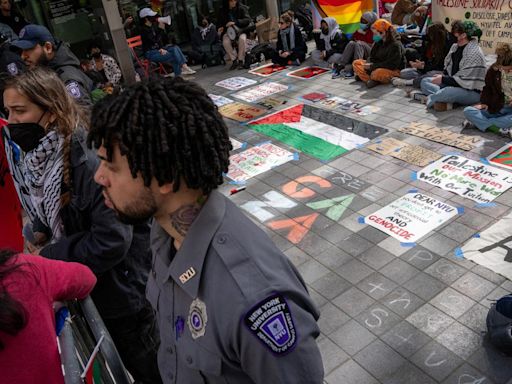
347, 12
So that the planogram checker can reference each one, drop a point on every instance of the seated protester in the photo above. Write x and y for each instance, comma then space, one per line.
403, 12
29, 285
464, 71
68, 216
386, 57
204, 39
331, 44
101, 87
494, 112
234, 15
291, 48
428, 60
105, 64
357, 48
155, 45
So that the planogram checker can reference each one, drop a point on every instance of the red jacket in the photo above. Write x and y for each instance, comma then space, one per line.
10, 207
366, 37
32, 356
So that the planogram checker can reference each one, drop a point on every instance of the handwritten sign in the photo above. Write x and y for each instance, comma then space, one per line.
492, 16
219, 101
467, 178
256, 160
416, 155
260, 91
411, 217
235, 83
241, 112
386, 146
442, 136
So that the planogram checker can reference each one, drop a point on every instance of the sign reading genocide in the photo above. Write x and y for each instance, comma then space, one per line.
494, 17
411, 217
467, 178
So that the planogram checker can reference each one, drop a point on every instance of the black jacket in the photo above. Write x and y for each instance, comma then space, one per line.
387, 55
118, 254
300, 46
153, 37
67, 67
492, 95
338, 44
210, 39
239, 15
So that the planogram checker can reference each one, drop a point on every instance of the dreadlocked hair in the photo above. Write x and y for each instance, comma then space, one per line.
44, 88
169, 129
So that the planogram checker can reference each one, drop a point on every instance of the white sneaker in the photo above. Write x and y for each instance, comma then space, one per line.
399, 82
186, 70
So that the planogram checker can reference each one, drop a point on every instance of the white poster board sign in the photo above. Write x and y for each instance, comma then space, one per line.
235, 83
411, 217
260, 91
218, 100
467, 178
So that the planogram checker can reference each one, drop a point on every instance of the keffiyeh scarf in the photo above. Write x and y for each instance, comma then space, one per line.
471, 74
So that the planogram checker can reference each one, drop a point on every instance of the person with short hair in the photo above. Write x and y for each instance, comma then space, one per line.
155, 44
39, 48
386, 57
494, 112
230, 306
330, 45
463, 77
291, 48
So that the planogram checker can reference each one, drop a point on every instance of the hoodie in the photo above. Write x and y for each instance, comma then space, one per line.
67, 67
334, 41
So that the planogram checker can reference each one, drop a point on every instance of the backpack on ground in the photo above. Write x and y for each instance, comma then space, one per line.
259, 53
212, 55
499, 324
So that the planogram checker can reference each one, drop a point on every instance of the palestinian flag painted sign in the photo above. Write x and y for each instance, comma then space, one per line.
316, 132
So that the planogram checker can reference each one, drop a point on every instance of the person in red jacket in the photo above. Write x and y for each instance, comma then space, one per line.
10, 207
358, 48
29, 287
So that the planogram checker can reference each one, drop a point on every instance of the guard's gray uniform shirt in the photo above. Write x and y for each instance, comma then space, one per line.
226, 279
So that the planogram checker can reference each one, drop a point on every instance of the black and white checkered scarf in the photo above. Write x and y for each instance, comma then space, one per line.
38, 179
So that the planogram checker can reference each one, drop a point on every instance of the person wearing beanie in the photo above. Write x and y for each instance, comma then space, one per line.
358, 48
463, 77
387, 56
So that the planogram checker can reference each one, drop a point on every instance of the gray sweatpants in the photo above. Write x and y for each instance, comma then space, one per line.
416, 76
316, 55
354, 50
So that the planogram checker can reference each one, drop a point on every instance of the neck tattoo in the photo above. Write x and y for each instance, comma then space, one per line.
183, 217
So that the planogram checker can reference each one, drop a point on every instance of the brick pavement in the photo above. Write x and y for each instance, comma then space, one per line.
389, 314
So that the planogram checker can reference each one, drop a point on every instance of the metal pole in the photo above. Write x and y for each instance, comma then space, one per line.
123, 53
272, 9
68, 355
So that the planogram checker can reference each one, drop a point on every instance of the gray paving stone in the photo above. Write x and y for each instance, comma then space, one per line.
379, 359
390, 184
420, 257
353, 301
317, 298
393, 246
446, 271
405, 339
376, 286
376, 257
355, 169
350, 373
488, 274
439, 244
436, 360
351, 222
331, 319
460, 340
474, 286
354, 271
313, 244
399, 271
425, 286
296, 256
335, 233
372, 234
333, 257
331, 285
452, 302
352, 337
402, 302
312, 270
457, 231
378, 319
354, 244
492, 363
469, 375
332, 355
474, 219
474, 318
408, 374
342, 163
430, 320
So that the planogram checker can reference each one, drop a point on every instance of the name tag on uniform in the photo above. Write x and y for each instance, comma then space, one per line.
271, 322
187, 275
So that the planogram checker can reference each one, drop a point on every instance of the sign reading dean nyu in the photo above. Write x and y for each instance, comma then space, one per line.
494, 17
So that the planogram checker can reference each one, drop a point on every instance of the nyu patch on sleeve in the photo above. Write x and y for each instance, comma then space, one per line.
272, 323
73, 89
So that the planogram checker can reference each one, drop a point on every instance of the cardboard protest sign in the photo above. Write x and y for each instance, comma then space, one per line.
307, 72
411, 217
271, 102
260, 91
416, 155
241, 112
502, 157
267, 70
467, 178
387, 145
235, 83
219, 101
493, 248
442, 136
256, 160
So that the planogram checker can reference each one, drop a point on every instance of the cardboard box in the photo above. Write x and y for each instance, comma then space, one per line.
267, 29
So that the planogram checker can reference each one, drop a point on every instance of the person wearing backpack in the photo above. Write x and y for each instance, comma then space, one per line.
291, 48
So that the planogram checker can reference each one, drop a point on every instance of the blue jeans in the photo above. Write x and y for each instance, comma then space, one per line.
458, 95
174, 56
483, 120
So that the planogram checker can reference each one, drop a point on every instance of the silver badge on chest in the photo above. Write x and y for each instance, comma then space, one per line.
197, 318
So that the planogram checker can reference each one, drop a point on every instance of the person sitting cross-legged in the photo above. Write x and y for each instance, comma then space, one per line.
386, 57
291, 48
464, 71
494, 112
330, 45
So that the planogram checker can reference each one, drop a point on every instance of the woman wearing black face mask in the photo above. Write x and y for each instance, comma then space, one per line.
105, 65
205, 41
53, 171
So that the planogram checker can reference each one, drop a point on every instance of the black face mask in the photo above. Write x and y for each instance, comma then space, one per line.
325, 31
204, 24
96, 55
27, 135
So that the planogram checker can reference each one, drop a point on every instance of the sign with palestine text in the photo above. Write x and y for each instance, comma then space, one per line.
411, 217
467, 178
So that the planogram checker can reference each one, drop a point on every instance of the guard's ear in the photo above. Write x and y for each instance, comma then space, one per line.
48, 47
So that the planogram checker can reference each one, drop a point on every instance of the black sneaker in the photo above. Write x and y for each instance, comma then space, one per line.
466, 124
371, 84
234, 65
241, 65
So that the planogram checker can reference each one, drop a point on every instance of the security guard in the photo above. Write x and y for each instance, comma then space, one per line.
230, 306
39, 47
